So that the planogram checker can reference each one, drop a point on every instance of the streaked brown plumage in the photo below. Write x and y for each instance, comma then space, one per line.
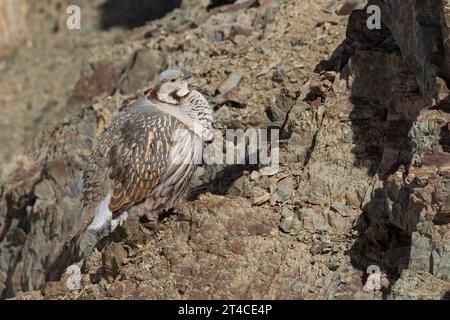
148, 153
134, 151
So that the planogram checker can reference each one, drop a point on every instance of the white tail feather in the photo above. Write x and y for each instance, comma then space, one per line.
103, 215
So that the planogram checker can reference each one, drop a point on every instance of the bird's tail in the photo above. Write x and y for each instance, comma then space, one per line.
79, 245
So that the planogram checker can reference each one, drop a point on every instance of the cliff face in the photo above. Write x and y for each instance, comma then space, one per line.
420, 30
22, 22
365, 162
13, 26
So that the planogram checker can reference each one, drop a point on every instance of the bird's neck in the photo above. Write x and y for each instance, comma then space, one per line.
176, 111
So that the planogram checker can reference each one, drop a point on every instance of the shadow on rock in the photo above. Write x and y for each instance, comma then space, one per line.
134, 13
386, 101
222, 181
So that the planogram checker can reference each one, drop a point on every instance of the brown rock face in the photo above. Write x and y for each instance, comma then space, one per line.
13, 24
22, 20
420, 30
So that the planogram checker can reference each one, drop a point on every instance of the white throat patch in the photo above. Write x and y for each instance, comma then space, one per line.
163, 97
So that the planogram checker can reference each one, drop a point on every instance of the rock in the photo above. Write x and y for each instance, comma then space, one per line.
313, 220
427, 61
72, 278
98, 78
412, 285
285, 188
237, 96
348, 137
229, 91
322, 247
289, 222
269, 171
333, 265
276, 116
238, 29
259, 200
230, 82
278, 76
142, 70
349, 5
286, 223
239, 5
255, 175
13, 22
122, 290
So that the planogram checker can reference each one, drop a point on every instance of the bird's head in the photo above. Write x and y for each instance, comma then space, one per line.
172, 95
172, 87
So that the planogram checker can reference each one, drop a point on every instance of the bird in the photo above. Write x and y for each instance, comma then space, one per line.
148, 154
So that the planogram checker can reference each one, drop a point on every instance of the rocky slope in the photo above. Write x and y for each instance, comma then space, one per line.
364, 152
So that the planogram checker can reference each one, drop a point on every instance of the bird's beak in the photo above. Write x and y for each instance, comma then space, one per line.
187, 75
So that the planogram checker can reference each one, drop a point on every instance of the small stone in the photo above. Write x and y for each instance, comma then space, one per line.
238, 29
322, 247
313, 290
140, 276
230, 82
218, 36
340, 208
269, 171
123, 289
336, 248
285, 189
261, 199
333, 265
73, 277
286, 212
276, 116
113, 257
348, 137
286, 223
255, 175
278, 76
237, 95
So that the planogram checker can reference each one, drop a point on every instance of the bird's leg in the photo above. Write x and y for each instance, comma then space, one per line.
151, 216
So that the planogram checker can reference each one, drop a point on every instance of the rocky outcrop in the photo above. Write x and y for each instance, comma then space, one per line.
420, 30
13, 24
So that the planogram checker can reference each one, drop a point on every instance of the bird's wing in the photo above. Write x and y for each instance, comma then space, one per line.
138, 157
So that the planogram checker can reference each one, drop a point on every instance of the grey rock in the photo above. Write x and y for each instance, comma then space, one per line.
285, 187
420, 253
230, 82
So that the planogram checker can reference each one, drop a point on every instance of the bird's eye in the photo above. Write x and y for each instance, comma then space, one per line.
173, 80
